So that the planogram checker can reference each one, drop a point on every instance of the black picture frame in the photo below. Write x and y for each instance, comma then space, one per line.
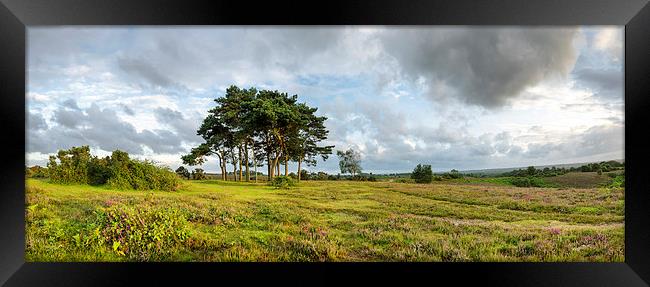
17, 15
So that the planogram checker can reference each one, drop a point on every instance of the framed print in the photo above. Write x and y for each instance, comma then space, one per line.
495, 142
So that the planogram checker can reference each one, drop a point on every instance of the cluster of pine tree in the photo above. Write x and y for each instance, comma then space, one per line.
249, 127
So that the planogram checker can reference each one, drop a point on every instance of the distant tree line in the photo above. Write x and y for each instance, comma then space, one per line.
600, 167
306, 175
78, 166
248, 127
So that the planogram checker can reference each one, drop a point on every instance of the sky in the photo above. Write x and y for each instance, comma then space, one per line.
454, 97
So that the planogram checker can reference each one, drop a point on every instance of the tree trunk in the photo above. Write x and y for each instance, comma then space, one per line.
276, 165
239, 161
299, 162
248, 172
268, 167
286, 165
234, 164
255, 163
225, 170
222, 164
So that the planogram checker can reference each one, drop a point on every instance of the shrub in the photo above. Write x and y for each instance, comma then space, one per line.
36, 172
527, 182
404, 180
282, 181
617, 182
183, 172
304, 175
70, 166
77, 166
143, 234
453, 174
422, 174
332, 177
99, 171
198, 174
321, 176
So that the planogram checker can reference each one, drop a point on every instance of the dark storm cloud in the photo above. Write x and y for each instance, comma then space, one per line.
607, 84
485, 66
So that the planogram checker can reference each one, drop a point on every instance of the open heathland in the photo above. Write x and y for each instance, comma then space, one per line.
343, 220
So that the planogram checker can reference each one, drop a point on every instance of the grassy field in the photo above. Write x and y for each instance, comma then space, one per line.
324, 221
581, 179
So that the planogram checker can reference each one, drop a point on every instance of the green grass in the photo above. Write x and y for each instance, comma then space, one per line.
324, 221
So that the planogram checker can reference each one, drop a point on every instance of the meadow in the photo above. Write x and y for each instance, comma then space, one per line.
215, 220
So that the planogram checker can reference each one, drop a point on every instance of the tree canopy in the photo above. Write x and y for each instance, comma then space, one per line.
248, 127
349, 161
422, 173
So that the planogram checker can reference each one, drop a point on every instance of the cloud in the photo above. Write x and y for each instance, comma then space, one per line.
71, 104
184, 126
484, 66
605, 83
68, 117
452, 97
610, 40
36, 122
144, 70
127, 110
101, 128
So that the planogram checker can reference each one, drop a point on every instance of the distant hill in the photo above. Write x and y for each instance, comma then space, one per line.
491, 171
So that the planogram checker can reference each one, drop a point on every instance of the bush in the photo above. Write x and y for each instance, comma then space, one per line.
198, 174
332, 177
453, 174
422, 174
70, 166
527, 182
99, 171
321, 176
404, 180
304, 175
282, 181
77, 166
36, 172
182, 172
143, 234
617, 182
